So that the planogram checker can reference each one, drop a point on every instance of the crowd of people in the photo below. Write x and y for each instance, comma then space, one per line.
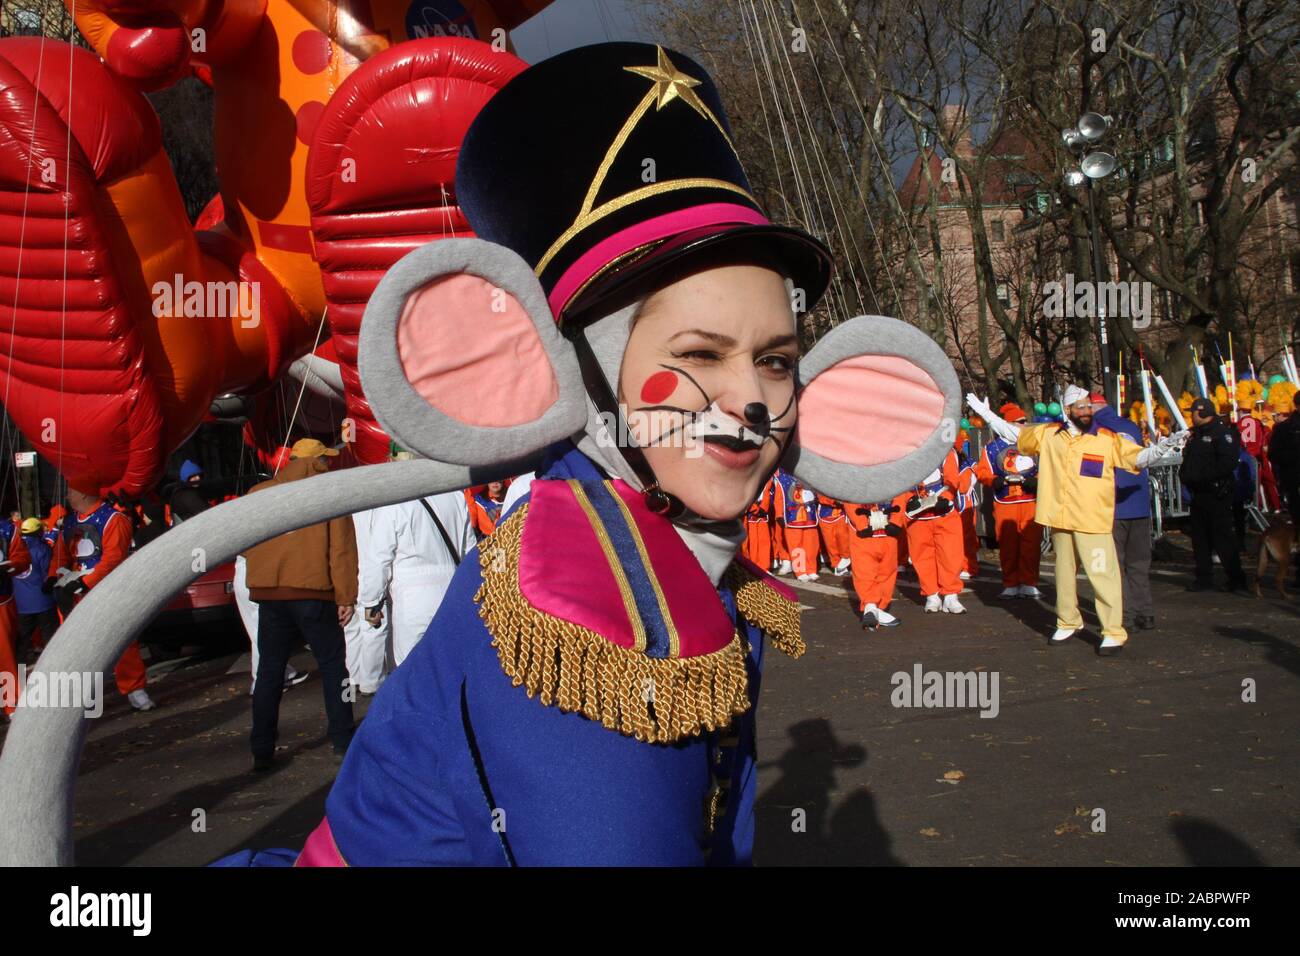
1080, 478
359, 591
607, 628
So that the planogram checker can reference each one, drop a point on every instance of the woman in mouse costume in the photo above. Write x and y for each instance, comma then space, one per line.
586, 692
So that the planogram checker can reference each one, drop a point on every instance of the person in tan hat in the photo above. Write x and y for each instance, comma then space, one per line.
305, 585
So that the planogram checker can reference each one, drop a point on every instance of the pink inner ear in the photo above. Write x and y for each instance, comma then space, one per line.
869, 410
471, 351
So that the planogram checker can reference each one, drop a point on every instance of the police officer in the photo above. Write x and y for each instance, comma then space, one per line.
1208, 473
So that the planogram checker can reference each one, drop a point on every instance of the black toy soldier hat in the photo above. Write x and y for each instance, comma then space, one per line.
605, 164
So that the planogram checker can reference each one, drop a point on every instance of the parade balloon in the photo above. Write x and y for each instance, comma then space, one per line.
1040, 408
312, 110
1054, 409
1274, 379
965, 424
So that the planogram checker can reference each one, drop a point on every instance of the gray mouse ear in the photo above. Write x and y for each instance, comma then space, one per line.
461, 360
879, 408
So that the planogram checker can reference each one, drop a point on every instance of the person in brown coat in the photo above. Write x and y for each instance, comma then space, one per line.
305, 585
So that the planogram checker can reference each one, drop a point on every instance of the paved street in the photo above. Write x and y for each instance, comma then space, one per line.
1158, 738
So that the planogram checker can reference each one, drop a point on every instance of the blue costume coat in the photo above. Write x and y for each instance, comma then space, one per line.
455, 765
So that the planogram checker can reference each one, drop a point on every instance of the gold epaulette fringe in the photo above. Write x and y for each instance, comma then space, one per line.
767, 608
578, 670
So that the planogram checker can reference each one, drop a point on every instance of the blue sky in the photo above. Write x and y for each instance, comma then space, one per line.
569, 23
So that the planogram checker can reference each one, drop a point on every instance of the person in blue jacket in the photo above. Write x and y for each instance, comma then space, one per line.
1132, 521
33, 593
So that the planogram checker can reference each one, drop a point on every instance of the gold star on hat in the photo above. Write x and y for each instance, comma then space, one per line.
670, 83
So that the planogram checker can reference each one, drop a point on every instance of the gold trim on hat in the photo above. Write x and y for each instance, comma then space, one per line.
669, 84
636, 195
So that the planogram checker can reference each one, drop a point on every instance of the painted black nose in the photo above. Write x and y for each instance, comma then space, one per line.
755, 412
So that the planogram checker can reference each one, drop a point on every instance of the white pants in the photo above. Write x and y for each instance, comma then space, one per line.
247, 606
367, 648
248, 614
415, 599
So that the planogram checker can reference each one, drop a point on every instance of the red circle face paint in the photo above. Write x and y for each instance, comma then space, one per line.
658, 387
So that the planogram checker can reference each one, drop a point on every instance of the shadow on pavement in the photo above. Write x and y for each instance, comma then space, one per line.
290, 829
123, 840
1283, 653
794, 824
1208, 844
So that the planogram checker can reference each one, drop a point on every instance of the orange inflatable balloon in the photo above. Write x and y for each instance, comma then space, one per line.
337, 127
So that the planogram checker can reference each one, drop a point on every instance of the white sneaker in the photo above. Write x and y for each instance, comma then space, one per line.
933, 604
964, 575
141, 700
1029, 591
885, 619
784, 568
807, 577
869, 619
1110, 646
843, 566
1063, 634
951, 605
1010, 592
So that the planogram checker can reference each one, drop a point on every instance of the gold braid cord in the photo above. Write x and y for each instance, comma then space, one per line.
767, 609
576, 669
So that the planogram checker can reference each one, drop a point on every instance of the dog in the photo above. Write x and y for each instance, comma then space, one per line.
1279, 543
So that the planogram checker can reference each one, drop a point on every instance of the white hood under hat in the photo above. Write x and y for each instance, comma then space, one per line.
1073, 393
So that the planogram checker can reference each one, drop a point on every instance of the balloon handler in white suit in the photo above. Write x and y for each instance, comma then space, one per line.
367, 644
412, 553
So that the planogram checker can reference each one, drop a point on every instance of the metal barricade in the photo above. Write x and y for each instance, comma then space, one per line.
1166, 495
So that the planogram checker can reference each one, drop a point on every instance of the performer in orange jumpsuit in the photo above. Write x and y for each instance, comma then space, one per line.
934, 537
1013, 479
796, 507
96, 538
758, 535
834, 530
485, 503
875, 531
780, 550
968, 506
17, 560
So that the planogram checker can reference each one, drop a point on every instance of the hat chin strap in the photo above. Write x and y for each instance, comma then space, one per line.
602, 396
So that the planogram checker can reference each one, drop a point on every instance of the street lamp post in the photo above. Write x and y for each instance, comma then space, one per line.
1099, 276
1094, 164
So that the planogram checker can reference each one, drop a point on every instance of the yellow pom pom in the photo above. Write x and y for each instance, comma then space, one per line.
1281, 397
1249, 392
